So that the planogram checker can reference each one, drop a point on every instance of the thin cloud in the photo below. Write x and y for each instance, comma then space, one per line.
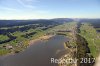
27, 3
7, 8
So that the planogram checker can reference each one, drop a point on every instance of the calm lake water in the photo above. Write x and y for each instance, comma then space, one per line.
38, 54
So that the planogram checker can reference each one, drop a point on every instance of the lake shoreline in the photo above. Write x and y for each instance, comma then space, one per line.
31, 42
45, 37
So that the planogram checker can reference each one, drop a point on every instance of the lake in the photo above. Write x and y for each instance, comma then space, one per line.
38, 54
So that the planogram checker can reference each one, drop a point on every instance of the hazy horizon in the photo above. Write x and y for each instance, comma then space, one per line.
48, 18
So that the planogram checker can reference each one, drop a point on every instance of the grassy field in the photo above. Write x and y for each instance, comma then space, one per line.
3, 37
92, 37
64, 28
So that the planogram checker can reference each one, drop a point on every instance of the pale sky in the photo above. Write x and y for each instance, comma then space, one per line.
38, 9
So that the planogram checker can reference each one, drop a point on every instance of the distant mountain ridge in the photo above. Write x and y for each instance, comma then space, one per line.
7, 23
